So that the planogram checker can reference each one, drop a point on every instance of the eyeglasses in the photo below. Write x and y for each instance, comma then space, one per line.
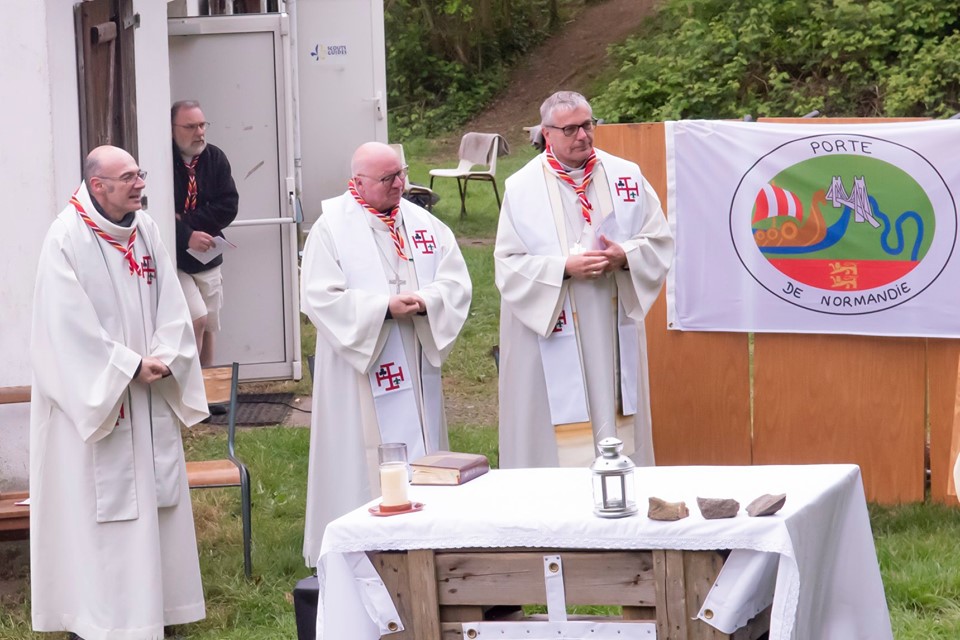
127, 178
571, 129
193, 127
387, 180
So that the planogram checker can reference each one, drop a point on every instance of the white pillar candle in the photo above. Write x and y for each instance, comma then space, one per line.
393, 484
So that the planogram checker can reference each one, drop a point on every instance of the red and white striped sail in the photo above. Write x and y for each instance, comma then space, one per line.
773, 201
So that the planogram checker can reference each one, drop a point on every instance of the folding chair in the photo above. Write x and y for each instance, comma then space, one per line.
221, 386
475, 149
420, 194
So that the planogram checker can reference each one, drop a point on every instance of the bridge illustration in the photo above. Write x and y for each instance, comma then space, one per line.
858, 200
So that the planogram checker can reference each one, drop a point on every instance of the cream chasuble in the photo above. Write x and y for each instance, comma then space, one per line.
113, 549
533, 242
346, 281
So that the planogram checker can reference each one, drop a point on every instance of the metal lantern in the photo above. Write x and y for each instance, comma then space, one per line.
614, 493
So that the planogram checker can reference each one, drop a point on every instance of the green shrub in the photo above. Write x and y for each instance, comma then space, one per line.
723, 59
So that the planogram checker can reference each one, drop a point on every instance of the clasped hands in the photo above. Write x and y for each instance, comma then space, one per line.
152, 369
590, 265
406, 304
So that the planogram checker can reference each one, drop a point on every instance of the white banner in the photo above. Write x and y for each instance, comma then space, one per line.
814, 228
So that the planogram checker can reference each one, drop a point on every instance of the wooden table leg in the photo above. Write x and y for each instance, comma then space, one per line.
423, 585
411, 579
683, 579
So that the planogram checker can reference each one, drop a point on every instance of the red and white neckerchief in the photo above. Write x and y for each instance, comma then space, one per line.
110, 240
581, 189
191, 202
389, 218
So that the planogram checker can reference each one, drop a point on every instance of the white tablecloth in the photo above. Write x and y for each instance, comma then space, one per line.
828, 584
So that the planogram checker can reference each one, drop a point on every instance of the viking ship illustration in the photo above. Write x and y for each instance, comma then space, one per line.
789, 229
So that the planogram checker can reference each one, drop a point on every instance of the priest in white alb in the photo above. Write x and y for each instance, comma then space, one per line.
385, 284
113, 553
582, 250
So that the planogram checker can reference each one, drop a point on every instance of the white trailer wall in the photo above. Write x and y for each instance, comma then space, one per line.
40, 168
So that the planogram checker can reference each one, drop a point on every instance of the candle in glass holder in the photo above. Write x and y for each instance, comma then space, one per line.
394, 481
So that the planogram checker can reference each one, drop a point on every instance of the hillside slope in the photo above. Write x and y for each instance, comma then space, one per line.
571, 59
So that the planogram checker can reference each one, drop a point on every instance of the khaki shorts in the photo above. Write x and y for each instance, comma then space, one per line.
204, 294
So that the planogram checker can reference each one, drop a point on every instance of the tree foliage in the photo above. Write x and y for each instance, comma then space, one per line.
726, 58
446, 59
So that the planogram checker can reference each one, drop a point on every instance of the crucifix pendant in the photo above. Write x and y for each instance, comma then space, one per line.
397, 281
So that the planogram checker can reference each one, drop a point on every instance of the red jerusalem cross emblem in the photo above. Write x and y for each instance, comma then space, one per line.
629, 191
423, 241
387, 375
561, 321
149, 272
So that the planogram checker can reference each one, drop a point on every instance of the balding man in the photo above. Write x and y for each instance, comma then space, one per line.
388, 290
115, 374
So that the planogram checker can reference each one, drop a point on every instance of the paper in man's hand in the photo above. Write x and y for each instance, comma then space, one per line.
220, 245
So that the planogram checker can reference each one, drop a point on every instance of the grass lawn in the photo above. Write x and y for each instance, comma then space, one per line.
918, 545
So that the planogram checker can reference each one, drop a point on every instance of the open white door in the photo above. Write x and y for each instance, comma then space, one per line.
342, 91
238, 68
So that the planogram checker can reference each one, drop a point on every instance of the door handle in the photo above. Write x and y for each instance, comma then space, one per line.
260, 222
377, 99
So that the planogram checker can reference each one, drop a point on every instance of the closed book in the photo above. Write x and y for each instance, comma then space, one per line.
448, 467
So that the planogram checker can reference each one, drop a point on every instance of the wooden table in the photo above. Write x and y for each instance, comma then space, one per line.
476, 552
437, 591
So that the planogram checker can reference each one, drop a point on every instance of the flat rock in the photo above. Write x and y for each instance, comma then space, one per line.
766, 505
663, 510
717, 508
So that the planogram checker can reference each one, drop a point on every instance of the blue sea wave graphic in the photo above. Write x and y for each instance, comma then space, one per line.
839, 228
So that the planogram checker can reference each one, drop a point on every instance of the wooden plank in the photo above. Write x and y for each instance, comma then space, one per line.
126, 101
14, 395
425, 610
516, 578
699, 382
212, 473
107, 87
700, 571
455, 613
14, 518
756, 628
943, 360
394, 571
671, 608
216, 382
683, 579
647, 614
836, 399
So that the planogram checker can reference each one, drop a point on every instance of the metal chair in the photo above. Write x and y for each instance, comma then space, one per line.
221, 386
475, 149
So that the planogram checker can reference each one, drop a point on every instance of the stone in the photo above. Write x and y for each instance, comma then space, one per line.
717, 508
766, 505
663, 510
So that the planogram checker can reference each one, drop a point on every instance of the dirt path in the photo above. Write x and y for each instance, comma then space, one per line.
572, 59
